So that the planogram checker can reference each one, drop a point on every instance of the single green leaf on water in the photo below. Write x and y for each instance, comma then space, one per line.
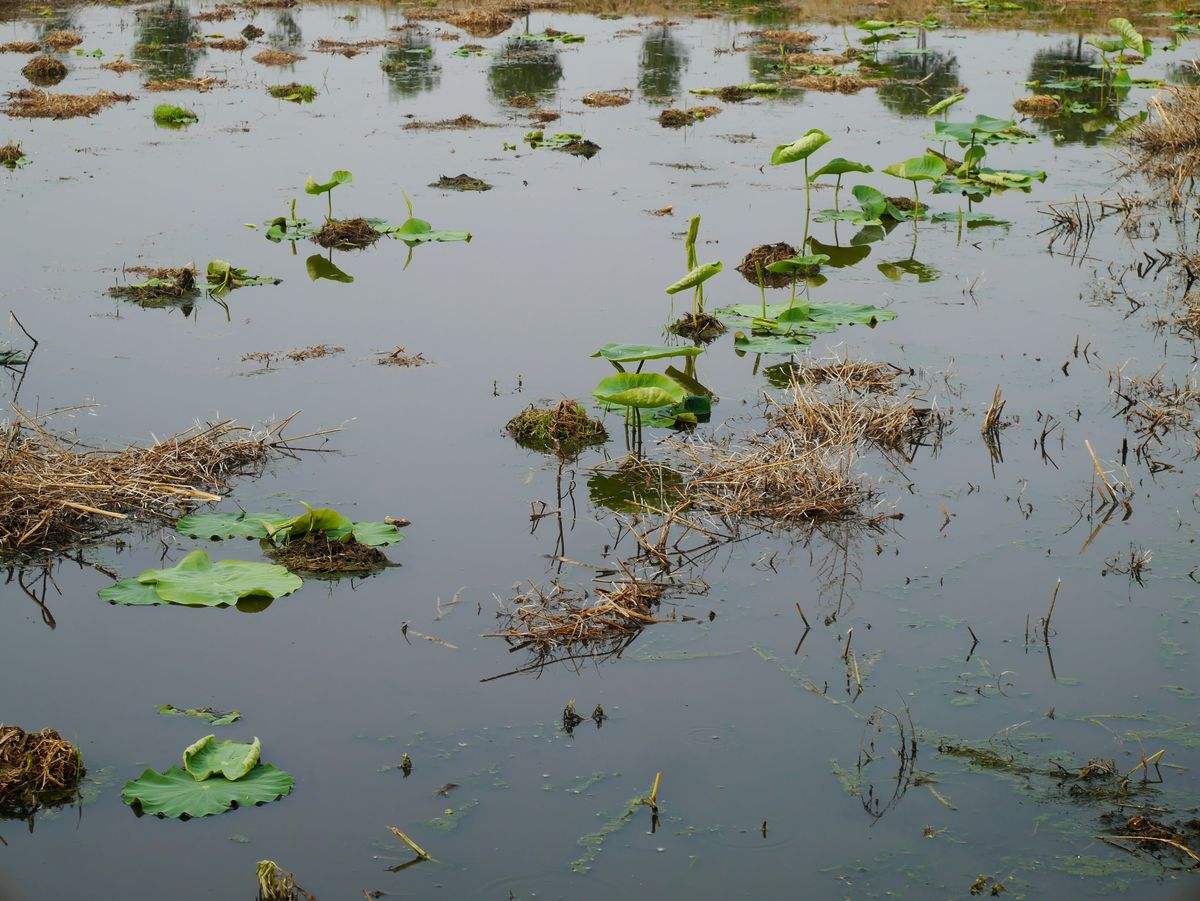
918, 168
338, 177
197, 581
636, 353
823, 317
262, 525
812, 141
170, 116
318, 267
321, 519
282, 228
839, 165
212, 717
417, 231
227, 525
697, 276
639, 390
221, 277
376, 534
231, 759
176, 794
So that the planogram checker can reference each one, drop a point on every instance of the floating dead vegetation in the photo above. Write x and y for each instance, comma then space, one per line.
277, 57
481, 22
461, 182
786, 38
861, 376
797, 60
346, 234
697, 326
235, 44
299, 355
1154, 408
45, 70
203, 85
316, 554
1188, 317
460, 123
62, 40
11, 155
753, 266
277, 884
846, 83
543, 116
607, 98
887, 424
1156, 838
220, 13
564, 430
120, 66
20, 47
1038, 105
57, 493
522, 101
678, 118
37, 769
398, 356
350, 49
1166, 146
159, 283
35, 104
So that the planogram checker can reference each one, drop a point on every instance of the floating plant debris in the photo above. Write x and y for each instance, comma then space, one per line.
564, 430
678, 118
197, 581
34, 104
44, 70
37, 769
276, 57
185, 84
293, 91
62, 40
606, 98
461, 182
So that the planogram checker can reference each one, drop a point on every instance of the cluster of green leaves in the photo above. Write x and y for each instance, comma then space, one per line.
221, 277
294, 92
170, 116
215, 776
196, 581
412, 231
983, 131
555, 37
212, 717
280, 528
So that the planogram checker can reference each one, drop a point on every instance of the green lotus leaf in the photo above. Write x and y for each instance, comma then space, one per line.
812, 141
130, 593
1107, 45
971, 219
212, 717
282, 228
231, 759
771, 344
176, 794
918, 168
639, 389
636, 353
798, 265
839, 165
945, 104
697, 276
221, 277
1130, 36
376, 534
873, 25
984, 130
417, 231
321, 519
318, 267
339, 177
821, 316
227, 525
197, 581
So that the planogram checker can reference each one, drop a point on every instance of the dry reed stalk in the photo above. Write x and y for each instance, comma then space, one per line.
55, 492
991, 425
1166, 147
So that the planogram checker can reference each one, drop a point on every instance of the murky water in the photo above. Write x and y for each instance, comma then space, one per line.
564, 258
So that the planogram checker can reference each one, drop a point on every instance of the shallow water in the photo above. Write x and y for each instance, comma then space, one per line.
563, 259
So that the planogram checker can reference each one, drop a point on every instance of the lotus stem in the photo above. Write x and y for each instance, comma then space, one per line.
807, 190
837, 188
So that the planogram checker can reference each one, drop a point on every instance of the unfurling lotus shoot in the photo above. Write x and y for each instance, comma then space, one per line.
800, 150
338, 177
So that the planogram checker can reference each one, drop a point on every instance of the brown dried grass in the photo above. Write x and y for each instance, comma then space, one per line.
1166, 147
346, 234
316, 554
461, 123
350, 49
121, 66
185, 84
275, 57
45, 70
176, 281
1038, 105
607, 98
35, 104
62, 40
56, 492
787, 37
398, 356
11, 154
36, 769
822, 59
862, 376
564, 430
20, 47
220, 13
834, 84
236, 44
481, 22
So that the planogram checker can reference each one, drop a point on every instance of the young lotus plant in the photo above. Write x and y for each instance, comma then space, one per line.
918, 169
697, 275
799, 151
839, 166
638, 391
316, 189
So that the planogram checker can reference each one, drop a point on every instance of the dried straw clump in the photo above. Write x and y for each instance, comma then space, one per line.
848, 55
542, 116
160, 282
1166, 147
11, 154
20, 47
37, 769
564, 430
316, 554
834, 84
522, 101
220, 13
889, 425
275, 57
788, 38
753, 266
481, 23
461, 123
185, 84
34, 104
350, 49
1188, 318
398, 356
861, 376
346, 234
63, 40
45, 70
56, 493
236, 44
678, 118
606, 98
120, 66
1038, 105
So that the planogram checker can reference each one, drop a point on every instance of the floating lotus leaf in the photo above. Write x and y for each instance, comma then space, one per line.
176, 794
812, 141
376, 534
820, 316
636, 353
697, 276
798, 265
212, 717
322, 519
197, 581
984, 130
918, 168
222, 277
639, 389
231, 759
228, 525
416, 231
971, 219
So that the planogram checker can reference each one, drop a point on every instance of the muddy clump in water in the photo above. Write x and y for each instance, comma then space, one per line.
606, 98
564, 430
698, 327
481, 23
678, 118
753, 266
461, 123
37, 769
276, 57
20, 47
346, 234
1038, 105
45, 70
461, 182
161, 282
316, 554
203, 85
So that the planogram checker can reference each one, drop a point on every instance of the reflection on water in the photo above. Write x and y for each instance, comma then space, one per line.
525, 67
160, 44
1090, 105
286, 34
411, 68
921, 78
661, 65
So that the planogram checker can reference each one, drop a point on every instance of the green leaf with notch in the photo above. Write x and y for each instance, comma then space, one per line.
176, 794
